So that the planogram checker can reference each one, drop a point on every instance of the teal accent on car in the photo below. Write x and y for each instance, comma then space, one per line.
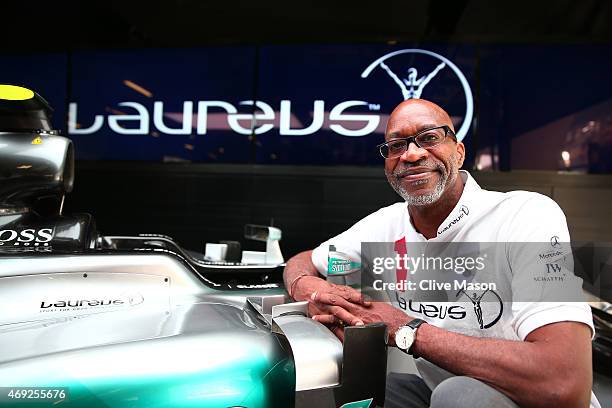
358, 404
185, 365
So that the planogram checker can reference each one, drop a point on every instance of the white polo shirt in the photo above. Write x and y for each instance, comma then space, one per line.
480, 216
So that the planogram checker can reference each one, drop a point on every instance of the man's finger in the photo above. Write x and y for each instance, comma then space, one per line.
327, 319
351, 295
358, 298
346, 316
314, 310
331, 299
339, 332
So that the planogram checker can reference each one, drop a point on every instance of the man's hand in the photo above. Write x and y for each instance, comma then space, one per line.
302, 280
308, 286
339, 312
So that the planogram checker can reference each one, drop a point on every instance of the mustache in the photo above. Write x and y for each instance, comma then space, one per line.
430, 165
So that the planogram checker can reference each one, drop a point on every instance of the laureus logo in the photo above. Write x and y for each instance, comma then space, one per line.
80, 303
463, 211
413, 75
476, 299
133, 298
90, 303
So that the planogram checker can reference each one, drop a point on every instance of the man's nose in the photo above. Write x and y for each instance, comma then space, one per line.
413, 153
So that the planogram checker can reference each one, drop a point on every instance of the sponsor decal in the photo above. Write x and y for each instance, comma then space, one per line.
554, 241
476, 298
342, 266
27, 237
438, 311
446, 310
339, 263
557, 254
91, 303
25, 249
68, 304
553, 261
463, 212
133, 298
554, 273
549, 255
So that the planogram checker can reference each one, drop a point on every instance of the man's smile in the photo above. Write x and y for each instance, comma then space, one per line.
415, 174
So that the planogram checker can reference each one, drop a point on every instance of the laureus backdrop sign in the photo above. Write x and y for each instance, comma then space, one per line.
322, 105
328, 105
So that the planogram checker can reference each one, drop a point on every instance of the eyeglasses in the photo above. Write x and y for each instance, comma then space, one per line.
425, 139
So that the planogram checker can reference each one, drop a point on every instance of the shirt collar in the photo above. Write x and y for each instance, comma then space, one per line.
461, 212
457, 217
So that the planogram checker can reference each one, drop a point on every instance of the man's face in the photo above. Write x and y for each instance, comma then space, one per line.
422, 176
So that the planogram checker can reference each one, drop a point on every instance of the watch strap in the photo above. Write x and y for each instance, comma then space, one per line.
414, 325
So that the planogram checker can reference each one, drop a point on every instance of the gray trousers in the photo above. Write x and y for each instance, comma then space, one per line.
410, 391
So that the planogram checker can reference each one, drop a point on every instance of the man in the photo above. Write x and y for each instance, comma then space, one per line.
536, 355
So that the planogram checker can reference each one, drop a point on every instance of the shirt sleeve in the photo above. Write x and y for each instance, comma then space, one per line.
545, 289
531, 316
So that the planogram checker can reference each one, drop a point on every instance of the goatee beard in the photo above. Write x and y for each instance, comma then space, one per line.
414, 199
424, 199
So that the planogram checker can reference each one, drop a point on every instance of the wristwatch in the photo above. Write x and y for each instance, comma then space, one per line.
405, 335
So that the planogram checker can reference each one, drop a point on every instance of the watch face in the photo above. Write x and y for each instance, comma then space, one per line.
404, 338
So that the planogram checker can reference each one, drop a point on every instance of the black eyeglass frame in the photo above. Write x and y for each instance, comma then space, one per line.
413, 139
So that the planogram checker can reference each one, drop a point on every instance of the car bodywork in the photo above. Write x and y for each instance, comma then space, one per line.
137, 321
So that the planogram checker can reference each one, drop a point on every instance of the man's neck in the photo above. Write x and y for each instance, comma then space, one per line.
427, 219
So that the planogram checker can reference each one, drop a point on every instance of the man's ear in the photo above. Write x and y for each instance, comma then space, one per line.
460, 154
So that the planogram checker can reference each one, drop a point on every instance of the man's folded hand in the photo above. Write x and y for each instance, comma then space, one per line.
337, 313
309, 286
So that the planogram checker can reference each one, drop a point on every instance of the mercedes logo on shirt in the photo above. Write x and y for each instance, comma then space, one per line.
554, 241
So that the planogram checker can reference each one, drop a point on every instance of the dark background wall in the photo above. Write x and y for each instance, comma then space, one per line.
95, 24
200, 203
207, 203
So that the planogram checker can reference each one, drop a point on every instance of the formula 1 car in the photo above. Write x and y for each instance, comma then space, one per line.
88, 320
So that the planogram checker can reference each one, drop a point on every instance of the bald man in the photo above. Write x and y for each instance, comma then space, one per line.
530, 355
